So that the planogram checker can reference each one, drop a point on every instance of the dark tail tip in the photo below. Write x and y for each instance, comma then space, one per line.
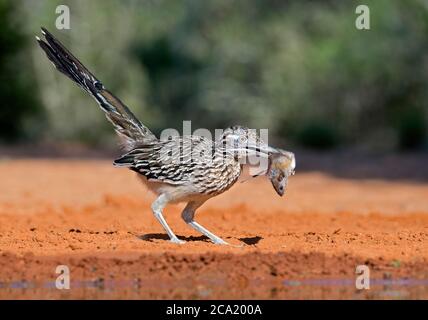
44, 32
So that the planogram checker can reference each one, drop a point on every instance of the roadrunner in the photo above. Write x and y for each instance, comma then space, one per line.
188, 169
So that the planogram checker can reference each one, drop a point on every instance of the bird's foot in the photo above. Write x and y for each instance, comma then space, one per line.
177, 241
222, 242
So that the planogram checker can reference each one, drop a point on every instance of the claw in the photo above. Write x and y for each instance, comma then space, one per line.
177, 241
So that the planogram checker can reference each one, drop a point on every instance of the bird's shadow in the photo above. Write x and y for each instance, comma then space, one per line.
251, 240
163, 236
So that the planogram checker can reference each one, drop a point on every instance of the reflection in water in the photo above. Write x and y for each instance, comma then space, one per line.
288, 289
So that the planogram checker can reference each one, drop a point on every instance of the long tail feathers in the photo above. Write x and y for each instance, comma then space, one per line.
123, 120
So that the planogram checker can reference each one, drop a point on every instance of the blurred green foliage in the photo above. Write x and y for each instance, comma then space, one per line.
318, 136
299, 68
17, 95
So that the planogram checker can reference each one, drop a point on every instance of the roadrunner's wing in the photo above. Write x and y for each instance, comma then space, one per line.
179, 161
123, 120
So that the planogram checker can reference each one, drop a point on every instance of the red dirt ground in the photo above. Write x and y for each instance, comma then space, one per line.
96, 219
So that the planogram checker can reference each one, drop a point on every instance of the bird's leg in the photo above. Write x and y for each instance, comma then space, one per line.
188, 215
157, 207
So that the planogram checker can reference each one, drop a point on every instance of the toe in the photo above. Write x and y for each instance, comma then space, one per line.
220, 242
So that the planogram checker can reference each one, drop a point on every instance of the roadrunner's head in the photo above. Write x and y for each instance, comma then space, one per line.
244, 142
